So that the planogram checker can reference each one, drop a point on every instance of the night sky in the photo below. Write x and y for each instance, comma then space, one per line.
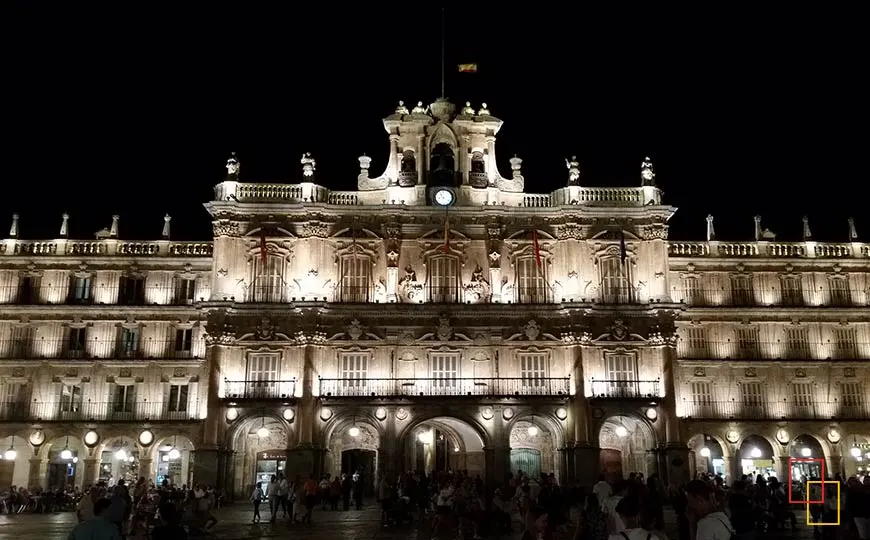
110, 113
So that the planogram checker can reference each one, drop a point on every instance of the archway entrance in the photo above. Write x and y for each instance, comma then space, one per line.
709, 456
444, 444
15, 454
533, 442
756, 457
353, 451
172, 460
119, 460
260, 445
62, 463
806, 451
627, 446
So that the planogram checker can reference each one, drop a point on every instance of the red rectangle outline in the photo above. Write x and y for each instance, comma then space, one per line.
790, 480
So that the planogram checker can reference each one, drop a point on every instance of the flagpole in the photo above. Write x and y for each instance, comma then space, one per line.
443, 72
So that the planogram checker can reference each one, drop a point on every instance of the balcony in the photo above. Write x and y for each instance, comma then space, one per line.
147, 295
108, 411
482, 387
407, 178
625, 389
773, 297
774, 410
99, 349
772, 350
779, 250
259, 389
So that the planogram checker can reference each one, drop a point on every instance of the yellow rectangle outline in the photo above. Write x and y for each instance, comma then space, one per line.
823, 482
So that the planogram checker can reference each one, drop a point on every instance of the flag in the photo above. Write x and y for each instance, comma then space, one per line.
264, 251
446, 233
623, 253
536, 248
467, 68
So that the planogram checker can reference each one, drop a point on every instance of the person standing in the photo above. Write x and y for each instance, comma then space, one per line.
712, 522
272, 494
98, 527
256, 499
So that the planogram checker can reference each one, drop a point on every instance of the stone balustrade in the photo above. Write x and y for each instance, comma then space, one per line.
763, 249
109, 247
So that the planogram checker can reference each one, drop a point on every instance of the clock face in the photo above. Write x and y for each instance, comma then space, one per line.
443, 197
37, 438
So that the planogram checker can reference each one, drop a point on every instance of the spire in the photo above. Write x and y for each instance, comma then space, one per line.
573, 171
13, 230
807, 235
647, 174
234, 167
166, 219
711, 233
853, 232
113, 232
757, 228
64, 226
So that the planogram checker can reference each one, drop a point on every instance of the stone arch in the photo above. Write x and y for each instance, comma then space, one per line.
712, 454
424, 449
118, 458
756, 454
246, 419
166, 465
446, 412
54, 467
535, 439
339, 438
249, 448
855, 446
627, 443
808, 445
15, 472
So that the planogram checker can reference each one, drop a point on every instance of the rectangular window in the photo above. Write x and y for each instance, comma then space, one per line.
845, 344
70, 398
183, 342
21, 344
531, 281
269, 283
82, 290
620, 371
533, 369
797, 345
355, 278
702, 399
178, 397
803, 404
14, 401
792, 293
692, 294
353, 370
747, 343
185, 291
128, 343
741, 291
696, 344
75, 344
28, 290
852, 394
445, 370
443, 279
131, 291
754, 399
124, 398
263, 378
840, 296
615, 281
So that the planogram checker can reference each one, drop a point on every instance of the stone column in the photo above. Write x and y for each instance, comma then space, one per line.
145, 468
422, 160
35, 477
306, 458
491, 166
213, 421
394, 155
390, 458
208, 467
91, 472
674, 466
497, 451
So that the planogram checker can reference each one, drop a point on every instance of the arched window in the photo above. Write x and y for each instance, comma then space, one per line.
268, 284
356, 278
531, 281
443, 279
614, 273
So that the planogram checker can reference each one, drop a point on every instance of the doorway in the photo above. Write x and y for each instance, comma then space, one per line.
61, 474
526, 460
611, 464
362, 462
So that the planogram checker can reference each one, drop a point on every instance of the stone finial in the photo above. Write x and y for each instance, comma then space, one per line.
516, 166
308, 165
853, 232
64, 225
166, 219
364, 163
711, 233
468, 110
484, 110
573, 171
234, 166
13, 230
113, 231
647, 173
758, 232
807, 234
401, 109
419, 109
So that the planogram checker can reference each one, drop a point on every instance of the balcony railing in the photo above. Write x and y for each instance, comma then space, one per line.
625, 389
772, 350
550, 386
259, 389
105, 248
775, 296
774, 410
96, 349
110, 411
147, 295
802, 250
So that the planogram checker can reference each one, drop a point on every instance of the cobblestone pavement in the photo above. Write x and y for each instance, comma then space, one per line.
235, 524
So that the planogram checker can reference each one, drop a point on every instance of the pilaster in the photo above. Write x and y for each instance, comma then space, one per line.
587, 464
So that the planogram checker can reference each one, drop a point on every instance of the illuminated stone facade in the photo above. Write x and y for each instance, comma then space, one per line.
327, 331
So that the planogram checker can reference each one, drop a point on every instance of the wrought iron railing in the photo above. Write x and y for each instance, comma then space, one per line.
395, 387
774, 410
625, 389
112, 411
259, 389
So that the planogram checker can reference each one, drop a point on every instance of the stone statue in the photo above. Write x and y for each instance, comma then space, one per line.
647, 174
308, 165
401, 109
573, 171
233, 166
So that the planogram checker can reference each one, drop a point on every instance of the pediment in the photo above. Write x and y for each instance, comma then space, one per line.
438, 234
611, 234
270, 232
528, 234
442, 133
359, 234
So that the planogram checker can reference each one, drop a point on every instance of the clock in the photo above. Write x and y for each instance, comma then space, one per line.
37, 437
444, 197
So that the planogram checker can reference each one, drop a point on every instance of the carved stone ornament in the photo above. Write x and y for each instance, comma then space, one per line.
225, 227
848, 372
493, 231
532, 330
392, 231
700, 372
18, 372
355, 330
126, 373
750, 372
494, 257
478, 289
800, 372
315, 229
179, 372
619, 330
654, 232
410, 287
569, 231
444, 331
265, 330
